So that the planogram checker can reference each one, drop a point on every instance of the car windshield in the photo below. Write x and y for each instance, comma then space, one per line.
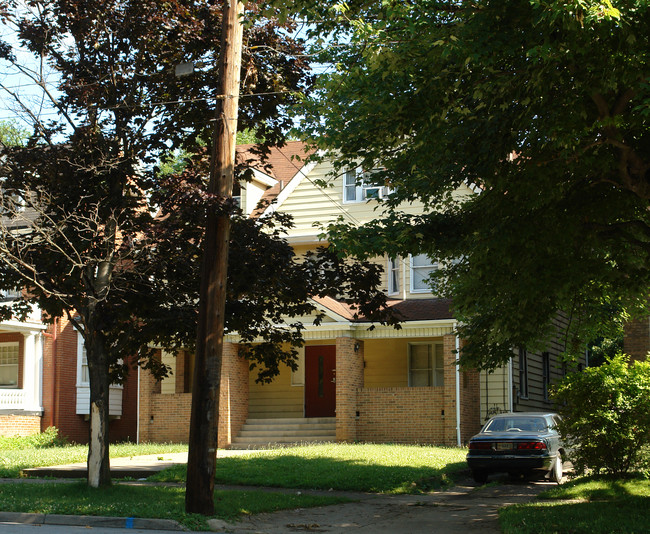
516, 424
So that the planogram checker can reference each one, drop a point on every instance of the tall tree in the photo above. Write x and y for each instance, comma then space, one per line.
542, 108
105, 72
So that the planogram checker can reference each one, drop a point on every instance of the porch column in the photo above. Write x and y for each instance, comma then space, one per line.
233, 400
349, 378
32, 371
449, 396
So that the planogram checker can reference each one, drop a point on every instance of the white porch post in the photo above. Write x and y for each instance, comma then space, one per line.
32, 371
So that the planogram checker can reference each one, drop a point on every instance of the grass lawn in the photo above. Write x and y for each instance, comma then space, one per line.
162, 502
590, 505
12, 460
360, 467
352, 467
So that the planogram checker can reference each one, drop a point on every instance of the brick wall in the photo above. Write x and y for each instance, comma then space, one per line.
401, 415
637, 338
349, 379
233, 400
449, 394
470, 403
416, 414
60, 383
166, 417
60, 390
163, 417
19, 425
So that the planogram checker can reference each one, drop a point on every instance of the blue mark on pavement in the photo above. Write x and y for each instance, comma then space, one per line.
129, 522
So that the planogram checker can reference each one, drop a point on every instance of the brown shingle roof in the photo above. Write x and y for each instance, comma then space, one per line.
406, 310
283, 164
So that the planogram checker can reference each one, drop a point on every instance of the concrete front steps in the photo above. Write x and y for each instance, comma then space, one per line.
262, 433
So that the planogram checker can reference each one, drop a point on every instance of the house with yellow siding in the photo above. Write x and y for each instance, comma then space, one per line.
353, 382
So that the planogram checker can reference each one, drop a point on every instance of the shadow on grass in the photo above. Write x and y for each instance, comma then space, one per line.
145, 501
291, 471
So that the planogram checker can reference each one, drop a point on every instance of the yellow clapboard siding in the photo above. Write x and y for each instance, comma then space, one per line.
278, 396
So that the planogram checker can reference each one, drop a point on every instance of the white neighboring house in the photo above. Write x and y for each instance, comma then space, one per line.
21, 362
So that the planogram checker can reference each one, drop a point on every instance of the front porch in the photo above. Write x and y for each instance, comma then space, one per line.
21, 364
380, 386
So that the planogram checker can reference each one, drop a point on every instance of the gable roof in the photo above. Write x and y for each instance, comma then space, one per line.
283, 164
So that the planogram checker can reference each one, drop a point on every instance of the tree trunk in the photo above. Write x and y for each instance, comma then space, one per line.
99, 473
199, 495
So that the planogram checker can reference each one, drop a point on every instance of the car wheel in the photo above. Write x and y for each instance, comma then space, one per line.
557, 471
479, 476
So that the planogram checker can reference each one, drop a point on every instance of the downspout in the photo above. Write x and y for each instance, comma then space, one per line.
511, 406
137, 411
458, 440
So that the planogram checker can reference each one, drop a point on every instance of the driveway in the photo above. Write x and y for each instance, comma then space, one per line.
462, 510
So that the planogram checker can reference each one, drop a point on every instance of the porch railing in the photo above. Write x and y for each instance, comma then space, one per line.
11, 399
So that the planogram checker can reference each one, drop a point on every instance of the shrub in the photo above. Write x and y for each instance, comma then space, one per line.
606, 415
49, 438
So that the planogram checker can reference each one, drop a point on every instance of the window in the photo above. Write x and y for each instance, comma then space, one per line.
523, 373
393, 276
350, 186
236, 194
83, 378
426, 365
7, 295
9, 365
546, 373
421, 268
355, 189
12, 202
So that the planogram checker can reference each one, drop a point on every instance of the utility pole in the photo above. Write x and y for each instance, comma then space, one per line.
204, 422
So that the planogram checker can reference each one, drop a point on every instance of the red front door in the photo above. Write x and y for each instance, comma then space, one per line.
320, 381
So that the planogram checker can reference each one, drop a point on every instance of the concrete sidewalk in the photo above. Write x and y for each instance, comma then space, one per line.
128, 467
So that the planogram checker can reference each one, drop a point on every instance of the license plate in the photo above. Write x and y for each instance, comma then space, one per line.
504, 446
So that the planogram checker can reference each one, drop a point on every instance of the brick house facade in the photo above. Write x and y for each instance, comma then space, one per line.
383, 391
47, 390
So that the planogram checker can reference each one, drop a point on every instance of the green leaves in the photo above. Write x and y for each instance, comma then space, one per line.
606, 415
544, 105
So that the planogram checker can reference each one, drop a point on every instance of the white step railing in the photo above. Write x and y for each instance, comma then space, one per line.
10, 399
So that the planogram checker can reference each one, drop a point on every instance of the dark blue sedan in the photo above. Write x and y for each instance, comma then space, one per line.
525, 443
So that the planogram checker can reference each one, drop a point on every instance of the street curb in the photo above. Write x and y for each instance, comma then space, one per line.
90, 521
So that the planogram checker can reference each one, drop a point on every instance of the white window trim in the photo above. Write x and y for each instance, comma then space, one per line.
393, 270
433, 369
17, 364
80, 352
433, 266
361, 188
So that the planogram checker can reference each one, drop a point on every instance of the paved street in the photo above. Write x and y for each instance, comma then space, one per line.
13, 528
